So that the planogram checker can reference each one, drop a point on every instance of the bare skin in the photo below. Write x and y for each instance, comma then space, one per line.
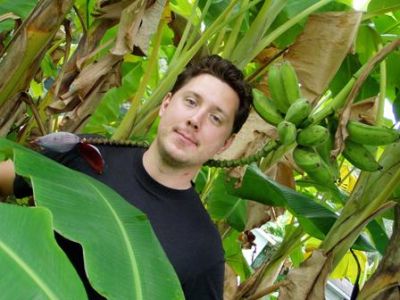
7, 176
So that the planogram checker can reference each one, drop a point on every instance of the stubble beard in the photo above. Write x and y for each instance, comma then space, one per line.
170, 159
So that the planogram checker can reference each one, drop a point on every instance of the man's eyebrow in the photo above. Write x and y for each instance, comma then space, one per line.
198, 96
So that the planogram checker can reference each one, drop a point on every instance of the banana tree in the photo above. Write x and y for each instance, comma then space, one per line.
106, 69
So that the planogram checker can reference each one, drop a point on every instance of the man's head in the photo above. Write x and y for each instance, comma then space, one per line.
227, 72
199, 117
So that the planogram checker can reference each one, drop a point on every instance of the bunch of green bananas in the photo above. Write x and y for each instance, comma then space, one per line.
361, 136
289, 111
312, 153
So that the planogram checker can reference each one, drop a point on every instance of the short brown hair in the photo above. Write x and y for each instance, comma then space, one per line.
227, 72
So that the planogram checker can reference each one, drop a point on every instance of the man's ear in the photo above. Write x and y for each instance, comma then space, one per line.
227, 143
165, 103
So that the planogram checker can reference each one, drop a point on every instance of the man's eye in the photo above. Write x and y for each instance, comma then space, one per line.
215, 119
190, 101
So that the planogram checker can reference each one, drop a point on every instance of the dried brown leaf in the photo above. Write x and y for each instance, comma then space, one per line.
131, 18
266, 55
87, 80
16, 112
149, 24
319, 51
254, 130
138, 22
110, 9
308, 281
284, 174
74, 120
365, 111
230, 283
28, 46
9, 16
257, 214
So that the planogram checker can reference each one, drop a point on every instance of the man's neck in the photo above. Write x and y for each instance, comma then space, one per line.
170, 176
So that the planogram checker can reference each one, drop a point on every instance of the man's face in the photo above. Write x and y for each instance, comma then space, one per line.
196, 122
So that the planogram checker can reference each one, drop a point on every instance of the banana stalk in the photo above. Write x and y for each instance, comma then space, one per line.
364, 204
365, 201
383, 284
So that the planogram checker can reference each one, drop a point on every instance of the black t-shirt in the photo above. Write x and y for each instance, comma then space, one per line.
182, 225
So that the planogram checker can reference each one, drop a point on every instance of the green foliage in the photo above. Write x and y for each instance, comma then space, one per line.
21, 8
108, 113
315, 218
380, 6
35, 267
124, 255
239, 30
223, 206
234, 255
396, 106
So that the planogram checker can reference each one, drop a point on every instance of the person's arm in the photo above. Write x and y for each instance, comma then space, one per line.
7, 177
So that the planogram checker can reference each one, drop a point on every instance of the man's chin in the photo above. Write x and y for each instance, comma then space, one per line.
176, 158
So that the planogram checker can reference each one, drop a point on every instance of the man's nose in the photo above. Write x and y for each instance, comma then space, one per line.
195, 120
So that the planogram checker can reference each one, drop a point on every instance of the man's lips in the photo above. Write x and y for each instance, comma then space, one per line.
187, 137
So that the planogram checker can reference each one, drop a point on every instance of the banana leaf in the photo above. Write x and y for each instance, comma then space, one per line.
123, 258
21, 8
223, 206
40, 271
315, 218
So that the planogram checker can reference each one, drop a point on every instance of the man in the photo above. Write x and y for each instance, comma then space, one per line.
199, 117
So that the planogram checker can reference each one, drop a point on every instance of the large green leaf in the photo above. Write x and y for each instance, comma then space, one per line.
21, 8
396, 107
387, 24
382, 6
378, 235
215, 10
234, 255
393, 72
123, 258
258, 187
315, 218
223, 206
350, 65
40, 271
367, 43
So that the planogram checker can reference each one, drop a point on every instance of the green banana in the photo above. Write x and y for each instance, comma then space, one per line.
360, 156
290, 82
324, 150
371, 134
266, 108
312, 135
287, 132
312, 163
298, 111
306, 158
276, 88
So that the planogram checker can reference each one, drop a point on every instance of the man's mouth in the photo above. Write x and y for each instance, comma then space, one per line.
187, 137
